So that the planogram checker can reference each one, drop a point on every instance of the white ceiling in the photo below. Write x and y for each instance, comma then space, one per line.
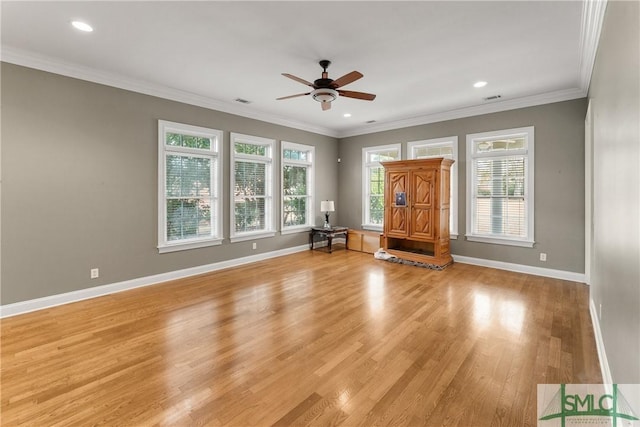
421, 58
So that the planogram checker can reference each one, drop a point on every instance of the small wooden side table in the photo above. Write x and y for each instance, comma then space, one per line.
329, 233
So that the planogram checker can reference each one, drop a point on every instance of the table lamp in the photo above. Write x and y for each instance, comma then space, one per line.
327, 206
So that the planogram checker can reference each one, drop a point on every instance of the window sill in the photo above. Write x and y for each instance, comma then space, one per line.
293, 230
175, 247
251, 236
500, 241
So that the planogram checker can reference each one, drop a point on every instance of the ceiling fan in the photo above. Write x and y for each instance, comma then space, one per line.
325, 90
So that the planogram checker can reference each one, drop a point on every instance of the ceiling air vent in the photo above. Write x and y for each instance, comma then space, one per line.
242, 101
370, 121
492, 98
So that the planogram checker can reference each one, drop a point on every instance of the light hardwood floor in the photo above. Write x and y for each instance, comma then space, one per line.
310, 338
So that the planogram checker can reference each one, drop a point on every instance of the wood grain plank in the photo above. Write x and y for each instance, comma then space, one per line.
312, 338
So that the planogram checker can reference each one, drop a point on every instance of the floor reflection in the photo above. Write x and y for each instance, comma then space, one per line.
375, 293
508, 314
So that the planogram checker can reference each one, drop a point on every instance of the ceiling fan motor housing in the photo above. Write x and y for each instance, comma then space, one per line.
320, 83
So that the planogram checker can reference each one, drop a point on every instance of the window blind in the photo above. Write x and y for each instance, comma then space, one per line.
500, 206
189, 197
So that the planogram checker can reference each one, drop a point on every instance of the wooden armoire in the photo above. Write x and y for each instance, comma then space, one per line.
416, 210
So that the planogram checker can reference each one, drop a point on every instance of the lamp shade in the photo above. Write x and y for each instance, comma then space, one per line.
327, 206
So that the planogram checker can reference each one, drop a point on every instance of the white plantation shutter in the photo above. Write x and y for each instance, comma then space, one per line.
500, 187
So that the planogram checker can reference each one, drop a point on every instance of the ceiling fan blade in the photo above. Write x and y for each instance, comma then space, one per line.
293, 96
325, 106
298, 79
346, 79
357, 95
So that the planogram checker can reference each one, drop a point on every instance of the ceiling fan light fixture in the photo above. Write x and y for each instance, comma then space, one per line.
324, 95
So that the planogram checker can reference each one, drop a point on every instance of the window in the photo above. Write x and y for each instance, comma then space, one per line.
251, 187
297, 187
189, 206
500, 187
373, 183
447, 148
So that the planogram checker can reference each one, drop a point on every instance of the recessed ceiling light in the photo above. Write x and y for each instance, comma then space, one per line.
479, 84
82, 26
346, 115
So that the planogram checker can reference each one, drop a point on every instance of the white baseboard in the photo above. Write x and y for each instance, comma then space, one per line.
23, 307
602, 355
82, 294
519, 268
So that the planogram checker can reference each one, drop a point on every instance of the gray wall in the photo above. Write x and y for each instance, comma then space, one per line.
559, 180
615, 105
79, 172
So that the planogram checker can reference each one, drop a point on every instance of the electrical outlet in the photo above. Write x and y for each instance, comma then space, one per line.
95, 273
255, 245
543, 256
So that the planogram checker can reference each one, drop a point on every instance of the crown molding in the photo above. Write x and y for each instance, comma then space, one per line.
476, 110
592, 19
52, 65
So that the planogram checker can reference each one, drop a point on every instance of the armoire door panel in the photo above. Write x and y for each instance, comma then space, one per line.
398, 183
422, 223
398, 222
423, 188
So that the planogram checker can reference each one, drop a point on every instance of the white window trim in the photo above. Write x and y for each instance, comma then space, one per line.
444, 142
215, 152
269, 202
365, 181
285, 145
529, 134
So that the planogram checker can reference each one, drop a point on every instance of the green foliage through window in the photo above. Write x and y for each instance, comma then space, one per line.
189, 141
294, 187
253, 149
